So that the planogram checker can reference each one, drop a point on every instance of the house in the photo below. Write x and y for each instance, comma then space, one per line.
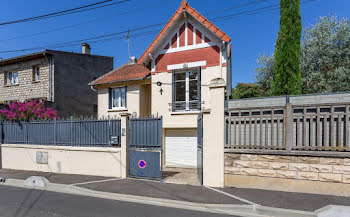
171, 79
56, 77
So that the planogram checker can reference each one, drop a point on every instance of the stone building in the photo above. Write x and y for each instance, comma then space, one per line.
58, 78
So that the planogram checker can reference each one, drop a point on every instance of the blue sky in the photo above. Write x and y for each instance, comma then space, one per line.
252, 35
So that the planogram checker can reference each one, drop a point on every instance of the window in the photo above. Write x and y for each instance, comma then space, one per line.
186, 92
118, 98
36, 73
12, 78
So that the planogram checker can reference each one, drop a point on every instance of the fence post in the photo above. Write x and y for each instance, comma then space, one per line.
124, 144
71, 130
54, 131
288, 127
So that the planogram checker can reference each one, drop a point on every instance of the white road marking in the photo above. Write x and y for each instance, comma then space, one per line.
231, 195
98, 181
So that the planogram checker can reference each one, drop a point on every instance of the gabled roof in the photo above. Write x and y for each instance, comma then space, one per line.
200, 18
128, 72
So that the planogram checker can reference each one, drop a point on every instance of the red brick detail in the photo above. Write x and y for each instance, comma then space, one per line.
166, 47
174, 41
190, 34
224, 64
206, 39
198, 37
182, 35
210, 54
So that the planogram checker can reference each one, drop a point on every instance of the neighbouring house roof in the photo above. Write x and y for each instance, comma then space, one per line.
200, 18
25, 57
127, 72
38, 55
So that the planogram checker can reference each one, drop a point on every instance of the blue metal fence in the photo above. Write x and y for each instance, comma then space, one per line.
145, 132
65, 132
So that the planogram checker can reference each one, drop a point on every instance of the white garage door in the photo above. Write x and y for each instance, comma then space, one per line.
181, 148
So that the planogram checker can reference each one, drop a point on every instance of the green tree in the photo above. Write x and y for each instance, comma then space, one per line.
325, 58
325, 61
264, 73
286, 70
244, 90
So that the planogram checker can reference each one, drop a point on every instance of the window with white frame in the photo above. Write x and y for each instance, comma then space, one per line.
186, 90
118, 98
12, 78
36, 73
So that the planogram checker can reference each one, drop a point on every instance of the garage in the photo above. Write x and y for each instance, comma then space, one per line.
181, 148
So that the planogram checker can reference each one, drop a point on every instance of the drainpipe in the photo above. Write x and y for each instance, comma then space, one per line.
50, 61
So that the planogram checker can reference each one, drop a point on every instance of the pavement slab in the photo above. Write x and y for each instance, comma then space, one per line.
52, 177
188, 193
287, 200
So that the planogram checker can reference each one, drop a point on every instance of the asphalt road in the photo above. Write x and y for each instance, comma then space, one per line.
19, 202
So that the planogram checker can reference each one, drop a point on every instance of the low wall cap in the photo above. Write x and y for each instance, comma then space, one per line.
217, 82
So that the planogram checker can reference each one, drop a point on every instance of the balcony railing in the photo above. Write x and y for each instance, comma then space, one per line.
194, 105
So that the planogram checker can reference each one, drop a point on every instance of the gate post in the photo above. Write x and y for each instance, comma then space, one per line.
214, 136
124, 118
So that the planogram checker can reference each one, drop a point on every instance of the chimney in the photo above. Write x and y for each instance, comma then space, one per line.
85, 48
133, 60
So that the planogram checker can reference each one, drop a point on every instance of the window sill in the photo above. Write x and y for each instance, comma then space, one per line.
34, 82
118, 110
185, 112
11, 85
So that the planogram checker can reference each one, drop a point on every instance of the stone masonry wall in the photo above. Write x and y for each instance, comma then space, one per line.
324, 169
26, 88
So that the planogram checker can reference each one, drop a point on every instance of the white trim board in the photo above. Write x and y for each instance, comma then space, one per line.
187, 65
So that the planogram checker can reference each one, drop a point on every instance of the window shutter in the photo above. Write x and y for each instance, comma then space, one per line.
199, 89
173, 106
110, 96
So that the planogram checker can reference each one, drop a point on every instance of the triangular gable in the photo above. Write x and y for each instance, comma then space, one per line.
200, 18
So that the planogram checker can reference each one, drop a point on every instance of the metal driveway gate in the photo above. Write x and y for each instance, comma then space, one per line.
145, 148
200, 148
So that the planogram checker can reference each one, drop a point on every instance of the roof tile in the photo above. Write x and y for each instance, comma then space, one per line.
127, 72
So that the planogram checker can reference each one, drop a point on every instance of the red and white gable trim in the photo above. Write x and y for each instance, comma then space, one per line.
188, 44
187, 37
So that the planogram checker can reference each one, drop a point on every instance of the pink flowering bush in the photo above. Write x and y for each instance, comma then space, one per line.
32, 110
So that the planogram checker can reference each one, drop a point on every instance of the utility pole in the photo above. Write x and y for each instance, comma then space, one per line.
128, 38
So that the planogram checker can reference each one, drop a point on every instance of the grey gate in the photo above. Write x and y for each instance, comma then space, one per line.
200, 148
145, 148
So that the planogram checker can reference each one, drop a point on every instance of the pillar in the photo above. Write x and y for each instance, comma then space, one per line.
214, 136
124, 117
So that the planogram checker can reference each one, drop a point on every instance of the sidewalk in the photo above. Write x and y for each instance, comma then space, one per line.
189, 193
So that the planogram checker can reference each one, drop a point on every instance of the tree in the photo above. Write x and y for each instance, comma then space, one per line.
264, 73
324, 59
244, 90
286, 70
32, 110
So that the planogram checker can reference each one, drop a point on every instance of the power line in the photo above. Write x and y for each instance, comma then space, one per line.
102, 38
238, 6
66, 12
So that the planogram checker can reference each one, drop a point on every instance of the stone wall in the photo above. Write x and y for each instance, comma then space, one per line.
323, 169
26, 87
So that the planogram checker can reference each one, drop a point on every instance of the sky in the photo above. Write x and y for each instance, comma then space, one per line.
252, 25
